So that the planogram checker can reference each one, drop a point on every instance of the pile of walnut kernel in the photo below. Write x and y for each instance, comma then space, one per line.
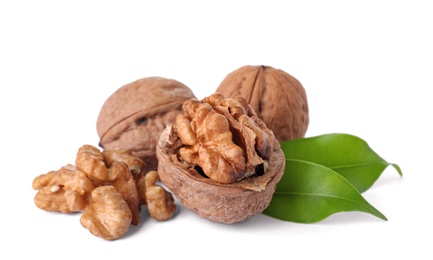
109, 187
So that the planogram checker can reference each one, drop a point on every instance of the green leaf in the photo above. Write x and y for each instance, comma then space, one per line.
346, 154
309, 192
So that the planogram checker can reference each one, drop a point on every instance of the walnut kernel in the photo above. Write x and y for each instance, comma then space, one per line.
108, 215
159, 202
105, 187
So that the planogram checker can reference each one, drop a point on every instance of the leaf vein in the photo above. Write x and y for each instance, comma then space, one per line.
322, 195
357, 165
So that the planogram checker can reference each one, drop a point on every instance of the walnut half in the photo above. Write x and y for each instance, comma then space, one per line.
220, 160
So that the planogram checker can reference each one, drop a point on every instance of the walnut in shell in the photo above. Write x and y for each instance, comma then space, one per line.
220, 160
133, 117
278, 98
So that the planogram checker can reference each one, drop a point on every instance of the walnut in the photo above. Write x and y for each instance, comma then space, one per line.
219, 159
159, 202
209, 130
135, 164
108, 215
69, 188
66, 190
133, 117
125, 184
278, 98
104, 186
91, 160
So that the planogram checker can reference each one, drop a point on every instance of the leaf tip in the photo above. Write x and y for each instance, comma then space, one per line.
380, 215
397, 168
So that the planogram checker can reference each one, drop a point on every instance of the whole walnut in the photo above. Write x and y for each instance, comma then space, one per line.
220, 160
133, 117
278, 98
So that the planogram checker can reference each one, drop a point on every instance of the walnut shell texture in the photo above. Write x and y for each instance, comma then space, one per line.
133, 117
218, 202
278, 98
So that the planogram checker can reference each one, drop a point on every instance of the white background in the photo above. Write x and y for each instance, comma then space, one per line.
366, 66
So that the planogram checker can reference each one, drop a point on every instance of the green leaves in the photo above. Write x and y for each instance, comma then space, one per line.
346, 154
325, 175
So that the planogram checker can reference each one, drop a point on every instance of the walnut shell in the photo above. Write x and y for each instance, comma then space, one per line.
133, 117
278, 98
219, 202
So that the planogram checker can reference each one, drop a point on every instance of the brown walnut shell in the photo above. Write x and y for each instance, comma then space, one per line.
133, 117
219, 202
278, 98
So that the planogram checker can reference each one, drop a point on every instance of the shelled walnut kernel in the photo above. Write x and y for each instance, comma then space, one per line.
105, 187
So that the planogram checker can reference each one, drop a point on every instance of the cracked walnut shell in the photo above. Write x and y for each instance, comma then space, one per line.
220, 160
278, 98
133, 117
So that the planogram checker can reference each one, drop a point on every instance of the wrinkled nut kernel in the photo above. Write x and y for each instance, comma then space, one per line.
134, 164
91, 161
209, 129
133, 117
159, 202
69, 188
108, 215
278, 98
220, 160
125, 184
109, 187
65, 190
